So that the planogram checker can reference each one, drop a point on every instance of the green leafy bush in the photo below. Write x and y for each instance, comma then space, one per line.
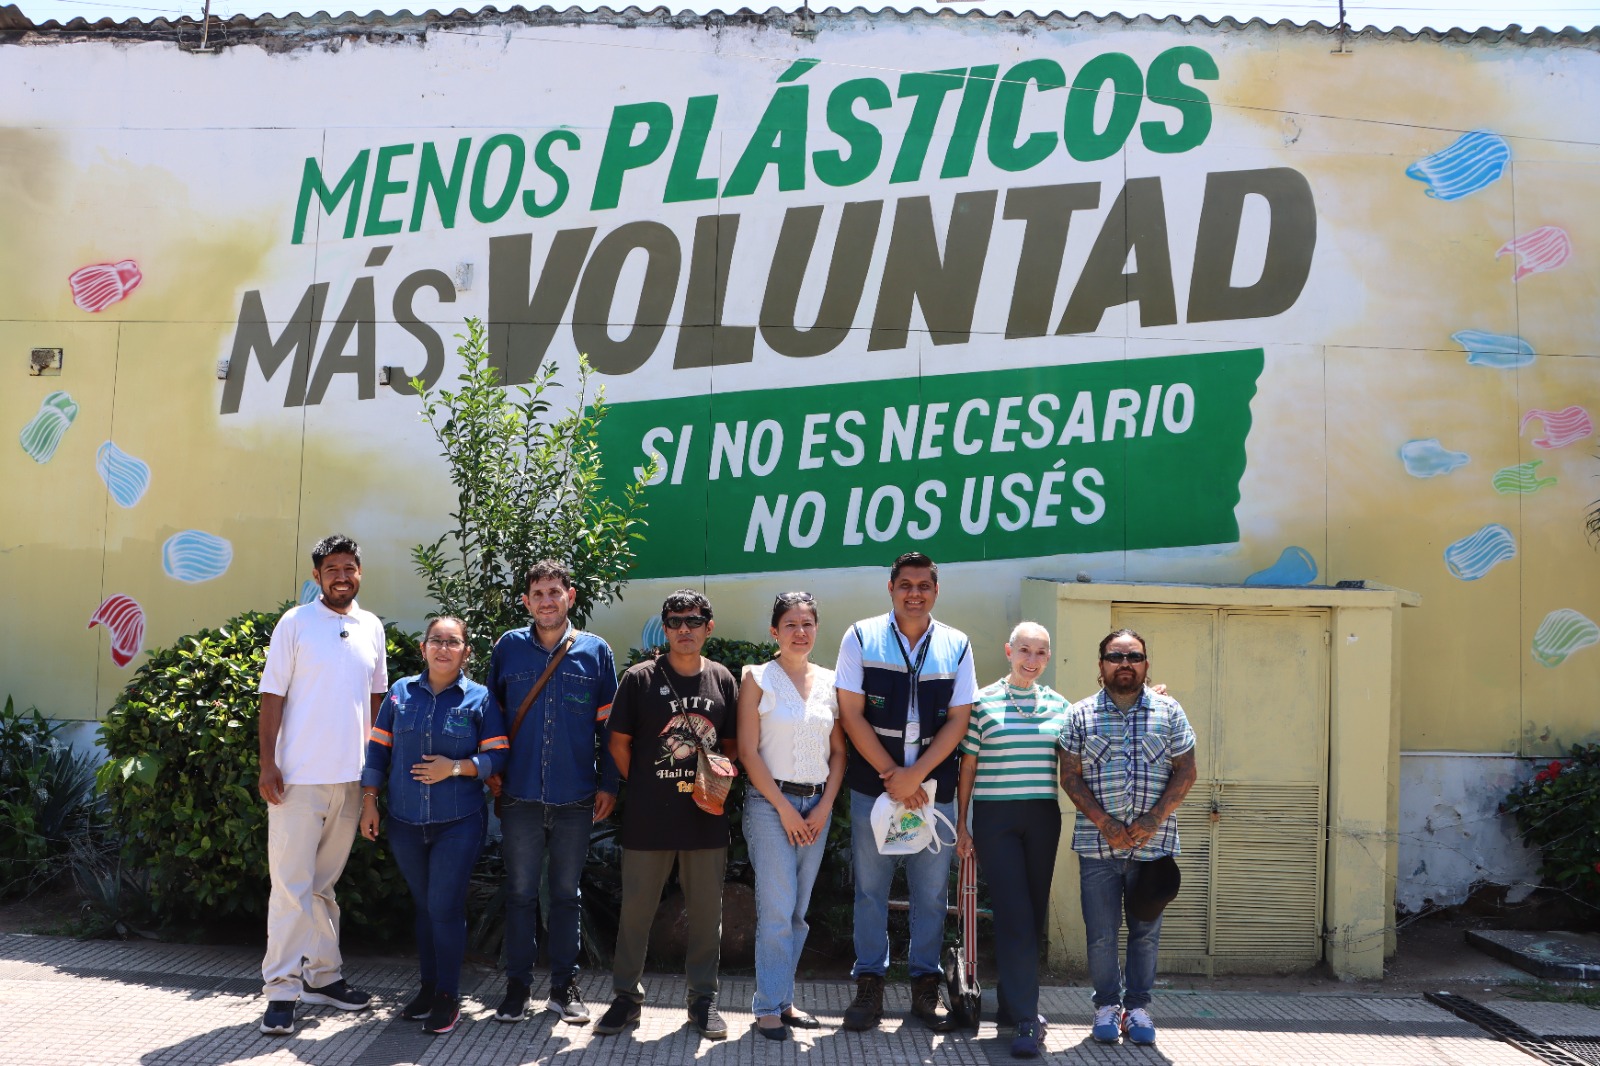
734, 654
1558, 811
528, 487
47, 799
181, 780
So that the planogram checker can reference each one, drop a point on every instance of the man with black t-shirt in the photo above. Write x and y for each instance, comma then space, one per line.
666, 711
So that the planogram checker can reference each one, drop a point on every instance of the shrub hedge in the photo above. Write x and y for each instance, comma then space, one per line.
181, 780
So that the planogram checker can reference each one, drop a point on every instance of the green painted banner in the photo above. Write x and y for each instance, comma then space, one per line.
1004, 464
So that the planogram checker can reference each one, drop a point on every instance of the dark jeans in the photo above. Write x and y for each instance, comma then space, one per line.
1016, 842
530, 831
436, 861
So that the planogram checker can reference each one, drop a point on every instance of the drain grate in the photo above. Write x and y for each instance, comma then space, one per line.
1586, 1048
1555, 1050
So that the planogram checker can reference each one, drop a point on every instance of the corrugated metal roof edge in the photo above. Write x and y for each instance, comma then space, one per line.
242, 28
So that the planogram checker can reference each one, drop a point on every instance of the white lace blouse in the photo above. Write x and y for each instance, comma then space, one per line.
794, 732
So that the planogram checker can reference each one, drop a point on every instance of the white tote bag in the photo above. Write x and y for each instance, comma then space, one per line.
899, 830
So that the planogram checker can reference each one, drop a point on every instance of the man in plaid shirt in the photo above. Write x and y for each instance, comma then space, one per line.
1127, 761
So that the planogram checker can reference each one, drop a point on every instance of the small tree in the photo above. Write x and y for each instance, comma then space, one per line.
528, 487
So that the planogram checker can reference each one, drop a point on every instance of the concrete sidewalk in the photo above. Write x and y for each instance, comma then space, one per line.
105, 1002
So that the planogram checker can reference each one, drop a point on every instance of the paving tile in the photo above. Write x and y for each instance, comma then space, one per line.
1550, 1019
110, 1003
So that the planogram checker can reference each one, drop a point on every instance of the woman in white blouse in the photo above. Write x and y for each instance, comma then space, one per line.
792, 746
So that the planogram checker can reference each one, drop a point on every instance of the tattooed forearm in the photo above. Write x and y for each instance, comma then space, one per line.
1077, 789
1184, 772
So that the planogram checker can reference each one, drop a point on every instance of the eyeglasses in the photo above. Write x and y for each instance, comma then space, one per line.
1134, 657
440, 642
693, 621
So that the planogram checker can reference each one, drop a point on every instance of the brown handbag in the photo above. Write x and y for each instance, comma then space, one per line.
713, 779
495, 781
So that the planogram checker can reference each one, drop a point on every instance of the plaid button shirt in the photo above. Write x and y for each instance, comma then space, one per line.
1127, 759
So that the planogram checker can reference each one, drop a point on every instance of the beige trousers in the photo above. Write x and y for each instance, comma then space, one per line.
308, 841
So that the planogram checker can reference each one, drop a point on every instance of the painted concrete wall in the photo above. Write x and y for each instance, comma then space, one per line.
1453, 837
1166, 303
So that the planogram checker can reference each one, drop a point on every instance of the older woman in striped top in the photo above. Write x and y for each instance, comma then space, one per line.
1008, 777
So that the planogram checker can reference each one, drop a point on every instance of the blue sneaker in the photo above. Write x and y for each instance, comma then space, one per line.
1138, 1026
1025, 1045
1107, 1024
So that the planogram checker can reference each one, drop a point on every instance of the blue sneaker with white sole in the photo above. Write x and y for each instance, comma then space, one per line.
1139, 1027
1107, 1024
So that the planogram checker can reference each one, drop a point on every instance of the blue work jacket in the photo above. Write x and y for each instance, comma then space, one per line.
462, 722
559, 755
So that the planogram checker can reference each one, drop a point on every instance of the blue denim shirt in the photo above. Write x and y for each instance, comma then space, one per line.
462, 722
559, 755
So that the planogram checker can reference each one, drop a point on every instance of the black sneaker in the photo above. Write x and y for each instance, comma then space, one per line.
339, 994
622, 1013
419, 1005
566, 1001
279, 1019
443, 1017
514, 1007
703, 1016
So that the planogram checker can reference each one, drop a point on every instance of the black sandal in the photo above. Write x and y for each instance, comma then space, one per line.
799, 1019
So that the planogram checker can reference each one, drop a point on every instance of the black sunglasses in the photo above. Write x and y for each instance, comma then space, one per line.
1124, 657
693, 621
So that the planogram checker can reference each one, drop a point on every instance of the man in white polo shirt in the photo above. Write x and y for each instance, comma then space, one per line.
325, 677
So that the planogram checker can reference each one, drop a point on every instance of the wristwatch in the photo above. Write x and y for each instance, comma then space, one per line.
455, 768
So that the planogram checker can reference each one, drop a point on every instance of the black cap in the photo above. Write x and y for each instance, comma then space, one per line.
1157, 886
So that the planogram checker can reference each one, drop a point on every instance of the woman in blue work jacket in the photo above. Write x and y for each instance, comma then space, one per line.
437, 736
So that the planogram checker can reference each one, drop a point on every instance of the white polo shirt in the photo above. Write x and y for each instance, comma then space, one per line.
325, 665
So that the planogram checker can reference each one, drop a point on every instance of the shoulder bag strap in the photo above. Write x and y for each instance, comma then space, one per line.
538, 686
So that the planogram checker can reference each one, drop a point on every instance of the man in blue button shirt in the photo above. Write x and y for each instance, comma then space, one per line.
559, 780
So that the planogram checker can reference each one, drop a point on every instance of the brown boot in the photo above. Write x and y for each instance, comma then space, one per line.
866, 1010
925, 1002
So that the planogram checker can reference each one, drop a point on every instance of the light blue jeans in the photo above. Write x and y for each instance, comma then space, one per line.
784, 876
1104, 884
927, 881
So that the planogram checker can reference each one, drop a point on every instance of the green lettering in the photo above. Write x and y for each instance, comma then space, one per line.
779, 140
1163, 86
621, 154
431, 180
541, 159
383, 187
1004, 151
482, 210
863, 138
311, 183
969, 120
929, 89
683, 180
1127, 87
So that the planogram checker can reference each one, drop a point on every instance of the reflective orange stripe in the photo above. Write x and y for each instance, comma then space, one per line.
603, 714
493, 743
383, 737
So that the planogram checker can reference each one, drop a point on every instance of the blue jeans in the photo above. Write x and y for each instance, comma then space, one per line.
1104, 884
927, 880
784, 876
436, 861
529, 831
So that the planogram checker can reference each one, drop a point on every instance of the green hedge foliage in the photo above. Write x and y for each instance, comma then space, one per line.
181, 780
1558, 812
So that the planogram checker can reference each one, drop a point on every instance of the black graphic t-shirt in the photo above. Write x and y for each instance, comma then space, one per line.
669, 716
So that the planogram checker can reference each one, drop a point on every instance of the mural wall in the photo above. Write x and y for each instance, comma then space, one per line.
1131, 300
